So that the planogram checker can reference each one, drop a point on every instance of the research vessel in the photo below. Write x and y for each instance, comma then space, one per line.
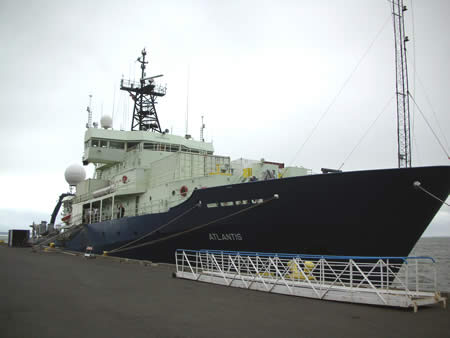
154, 192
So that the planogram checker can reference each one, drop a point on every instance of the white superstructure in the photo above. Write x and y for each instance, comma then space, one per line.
148, 172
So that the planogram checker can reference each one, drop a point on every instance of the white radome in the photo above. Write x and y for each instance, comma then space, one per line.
74, 174
106, 122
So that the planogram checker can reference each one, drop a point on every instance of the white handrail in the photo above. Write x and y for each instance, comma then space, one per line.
372, 280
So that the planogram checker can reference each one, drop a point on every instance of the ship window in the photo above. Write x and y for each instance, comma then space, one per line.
226, 204
95, 143
173, 192
238, 202
103, 144
174, 148
132, 146
211, 205
150, 146
116, 145
244, 202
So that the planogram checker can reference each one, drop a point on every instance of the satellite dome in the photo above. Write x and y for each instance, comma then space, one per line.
106, 122
74, 174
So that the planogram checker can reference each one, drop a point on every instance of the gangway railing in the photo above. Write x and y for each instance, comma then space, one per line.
387, 281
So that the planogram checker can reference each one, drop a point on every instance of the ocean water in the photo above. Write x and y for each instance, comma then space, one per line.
436, 247
439, 249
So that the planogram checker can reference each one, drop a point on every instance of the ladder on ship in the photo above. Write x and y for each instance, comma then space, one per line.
387, 281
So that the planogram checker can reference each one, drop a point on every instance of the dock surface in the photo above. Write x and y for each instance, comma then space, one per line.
51, 294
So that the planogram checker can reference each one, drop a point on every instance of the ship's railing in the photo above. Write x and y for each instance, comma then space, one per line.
159, 205
82, 197
152, 207
396, 281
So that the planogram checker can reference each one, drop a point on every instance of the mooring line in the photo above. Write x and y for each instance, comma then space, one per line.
155, 230
194, 228
418, 185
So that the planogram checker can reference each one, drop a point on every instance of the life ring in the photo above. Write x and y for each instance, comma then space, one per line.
124, 179
183, 191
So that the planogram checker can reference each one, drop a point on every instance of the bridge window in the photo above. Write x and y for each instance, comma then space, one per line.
174, 148
95, 143
103, 144
116, 145
132, 146
150, 146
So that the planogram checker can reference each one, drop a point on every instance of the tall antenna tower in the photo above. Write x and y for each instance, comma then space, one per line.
144, 94
88, 109
402, 90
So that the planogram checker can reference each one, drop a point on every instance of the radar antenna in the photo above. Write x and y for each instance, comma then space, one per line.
402, 91
144, 94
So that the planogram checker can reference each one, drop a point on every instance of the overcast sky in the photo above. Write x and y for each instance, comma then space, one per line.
261, 72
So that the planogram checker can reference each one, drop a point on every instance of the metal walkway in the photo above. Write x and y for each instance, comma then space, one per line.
388, 281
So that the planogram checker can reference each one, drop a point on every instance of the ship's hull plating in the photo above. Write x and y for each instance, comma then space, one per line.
363, 213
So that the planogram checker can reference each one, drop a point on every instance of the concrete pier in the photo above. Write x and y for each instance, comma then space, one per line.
51, 294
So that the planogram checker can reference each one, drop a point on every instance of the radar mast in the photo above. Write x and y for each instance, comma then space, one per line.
402, 91
144, 94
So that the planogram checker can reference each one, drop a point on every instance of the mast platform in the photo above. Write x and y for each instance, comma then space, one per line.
147, 88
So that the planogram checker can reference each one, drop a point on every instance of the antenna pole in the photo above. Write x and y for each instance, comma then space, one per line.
88, 109
201, 131
187, 103
114, 102
402, 90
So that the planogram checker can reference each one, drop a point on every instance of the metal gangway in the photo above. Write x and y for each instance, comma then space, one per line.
387, 281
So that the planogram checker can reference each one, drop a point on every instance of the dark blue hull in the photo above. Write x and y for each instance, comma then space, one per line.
363, 213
